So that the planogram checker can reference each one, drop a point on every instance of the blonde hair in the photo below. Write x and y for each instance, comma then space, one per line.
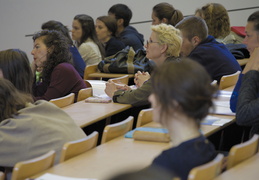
217, 19
169, 35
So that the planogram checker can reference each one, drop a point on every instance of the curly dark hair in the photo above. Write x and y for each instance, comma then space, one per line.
59, 51
187, 83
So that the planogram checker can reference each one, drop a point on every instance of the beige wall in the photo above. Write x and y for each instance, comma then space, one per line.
21, 17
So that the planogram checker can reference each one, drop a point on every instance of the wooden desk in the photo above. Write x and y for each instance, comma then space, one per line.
86, 114
248, 169
108, 75
116, 156
113, 157
242, 62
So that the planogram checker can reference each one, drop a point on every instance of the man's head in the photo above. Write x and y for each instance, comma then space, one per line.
122, 14
194, 30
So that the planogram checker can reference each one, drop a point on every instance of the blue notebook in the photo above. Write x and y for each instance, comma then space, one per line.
148, 129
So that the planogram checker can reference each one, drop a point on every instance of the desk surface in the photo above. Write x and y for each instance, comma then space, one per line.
85, 114
115, 156
106, 160
108, 75
246, 170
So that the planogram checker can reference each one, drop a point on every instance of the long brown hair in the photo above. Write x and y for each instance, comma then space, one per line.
11, 99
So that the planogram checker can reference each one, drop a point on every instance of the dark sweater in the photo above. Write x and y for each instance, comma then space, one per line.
247, 111
216, 58
113, 46
189, 154
131, 37
63, 81
78, 61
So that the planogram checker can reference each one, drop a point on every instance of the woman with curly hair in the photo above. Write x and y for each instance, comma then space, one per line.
84, 34
217, 20
52, 56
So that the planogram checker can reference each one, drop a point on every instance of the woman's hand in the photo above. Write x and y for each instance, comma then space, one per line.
110, 88
140, 78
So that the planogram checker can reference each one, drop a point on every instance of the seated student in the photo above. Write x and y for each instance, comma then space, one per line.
29, 130
181, 97
245, 100
15, 66
59, 77
203, 48
163, 45
127, 34
78, 62
217, 20
166, 13
106, 28
84, 34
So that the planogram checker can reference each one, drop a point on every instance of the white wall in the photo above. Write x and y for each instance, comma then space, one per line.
21, 17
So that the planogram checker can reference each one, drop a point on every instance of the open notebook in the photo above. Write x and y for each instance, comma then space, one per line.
49, 176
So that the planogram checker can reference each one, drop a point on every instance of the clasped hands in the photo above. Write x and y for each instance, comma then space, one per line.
139, 79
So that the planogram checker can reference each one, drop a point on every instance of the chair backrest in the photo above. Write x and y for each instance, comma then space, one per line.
228, 80
64, 101
26, 169
121, 80
145, 116
112, 131
84, 93
207, 171
2, 175
74, 148
89, 70
243, 151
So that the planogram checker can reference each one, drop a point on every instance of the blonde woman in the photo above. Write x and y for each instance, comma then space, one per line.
163, 45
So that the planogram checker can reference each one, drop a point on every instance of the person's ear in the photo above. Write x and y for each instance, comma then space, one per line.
164, 48
164, 20
120, 22
196, 41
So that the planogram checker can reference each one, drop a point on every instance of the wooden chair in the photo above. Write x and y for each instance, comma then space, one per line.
207, 171
74, 148
121, 80
84, 93
64, 101
243, 151
2, 175
26, 169
89, 70
228, 80
112, 131
145, 116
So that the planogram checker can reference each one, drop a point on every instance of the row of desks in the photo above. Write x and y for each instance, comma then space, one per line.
118, 155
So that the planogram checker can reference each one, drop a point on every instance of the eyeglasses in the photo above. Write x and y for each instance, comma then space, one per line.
150, 41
